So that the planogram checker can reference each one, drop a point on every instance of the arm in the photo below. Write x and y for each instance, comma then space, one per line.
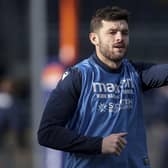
59, 109
152, 75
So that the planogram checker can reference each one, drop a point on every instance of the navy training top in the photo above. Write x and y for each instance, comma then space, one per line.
53, 133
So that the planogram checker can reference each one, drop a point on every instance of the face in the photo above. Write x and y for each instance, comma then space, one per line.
111, 40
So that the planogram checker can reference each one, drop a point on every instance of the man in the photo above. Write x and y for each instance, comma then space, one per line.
95, 112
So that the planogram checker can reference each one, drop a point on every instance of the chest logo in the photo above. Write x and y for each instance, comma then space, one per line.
102, 107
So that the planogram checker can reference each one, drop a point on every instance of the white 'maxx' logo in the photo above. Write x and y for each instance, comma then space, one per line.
112, 87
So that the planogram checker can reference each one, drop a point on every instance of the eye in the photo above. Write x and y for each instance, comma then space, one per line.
112, 32
125, 32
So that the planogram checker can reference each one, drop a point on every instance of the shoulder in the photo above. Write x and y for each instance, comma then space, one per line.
141, 66
71, 79
71, 73
85, 64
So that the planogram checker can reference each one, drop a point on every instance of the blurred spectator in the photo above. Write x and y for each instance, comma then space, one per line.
12, 112
13, 122
5, 106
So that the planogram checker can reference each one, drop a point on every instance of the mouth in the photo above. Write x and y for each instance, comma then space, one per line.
119, 46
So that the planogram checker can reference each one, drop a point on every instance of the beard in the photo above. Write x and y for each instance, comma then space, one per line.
111, 53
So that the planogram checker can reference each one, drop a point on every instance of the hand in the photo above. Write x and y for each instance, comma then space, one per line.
114, 143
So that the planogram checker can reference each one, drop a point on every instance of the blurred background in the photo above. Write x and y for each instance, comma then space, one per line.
38, 40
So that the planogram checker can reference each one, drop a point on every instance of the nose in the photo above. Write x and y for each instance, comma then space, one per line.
119, 36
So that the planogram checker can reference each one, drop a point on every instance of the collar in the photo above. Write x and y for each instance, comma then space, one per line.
104, 66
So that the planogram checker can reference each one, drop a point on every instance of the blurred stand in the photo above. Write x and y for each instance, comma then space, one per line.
29, 33
14, 125
156, 118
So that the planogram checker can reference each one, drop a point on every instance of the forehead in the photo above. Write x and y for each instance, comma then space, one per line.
119, 24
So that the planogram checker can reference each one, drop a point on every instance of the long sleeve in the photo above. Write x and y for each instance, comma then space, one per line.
152, 75
59, 109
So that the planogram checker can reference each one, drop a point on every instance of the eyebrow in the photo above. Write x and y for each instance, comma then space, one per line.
114, 29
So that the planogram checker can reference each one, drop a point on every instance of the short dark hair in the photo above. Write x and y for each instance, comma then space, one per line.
108, 14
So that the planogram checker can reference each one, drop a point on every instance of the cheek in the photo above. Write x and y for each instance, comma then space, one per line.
109, 42
126, 40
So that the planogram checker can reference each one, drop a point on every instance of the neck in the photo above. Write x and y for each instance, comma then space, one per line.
109, 62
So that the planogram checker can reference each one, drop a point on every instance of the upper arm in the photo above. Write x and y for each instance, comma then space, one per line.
63, 99
152, 75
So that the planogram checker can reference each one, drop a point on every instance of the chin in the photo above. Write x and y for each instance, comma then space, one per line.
119, 55
118, 59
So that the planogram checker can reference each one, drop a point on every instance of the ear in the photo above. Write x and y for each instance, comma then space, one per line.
94, 38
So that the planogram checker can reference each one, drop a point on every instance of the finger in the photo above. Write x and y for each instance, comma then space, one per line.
118, 151
121, 145
123, 140
122, 134
120, 148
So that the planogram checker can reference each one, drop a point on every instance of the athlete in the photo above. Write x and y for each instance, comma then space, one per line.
95, 112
